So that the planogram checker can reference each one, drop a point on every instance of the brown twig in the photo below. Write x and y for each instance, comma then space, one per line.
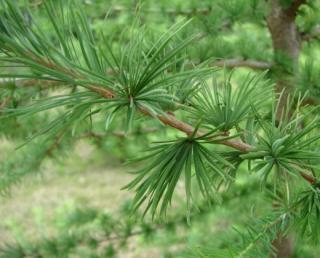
238, 62
309, 178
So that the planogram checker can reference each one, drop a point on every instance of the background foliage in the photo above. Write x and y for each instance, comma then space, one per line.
89, 85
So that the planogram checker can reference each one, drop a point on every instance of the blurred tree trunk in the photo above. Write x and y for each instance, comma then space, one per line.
286, 47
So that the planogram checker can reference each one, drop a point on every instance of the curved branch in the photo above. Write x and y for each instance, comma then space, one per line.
172, 121
168, 119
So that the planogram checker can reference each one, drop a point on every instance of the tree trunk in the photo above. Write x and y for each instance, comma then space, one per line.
286, 47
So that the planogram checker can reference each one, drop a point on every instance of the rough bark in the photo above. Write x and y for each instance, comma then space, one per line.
286, 46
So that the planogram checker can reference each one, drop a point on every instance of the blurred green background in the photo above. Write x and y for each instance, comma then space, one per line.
74, 206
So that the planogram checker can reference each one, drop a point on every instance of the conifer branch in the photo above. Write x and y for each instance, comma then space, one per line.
228, 63
173, 122
132, 92
170, 120
238, 62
